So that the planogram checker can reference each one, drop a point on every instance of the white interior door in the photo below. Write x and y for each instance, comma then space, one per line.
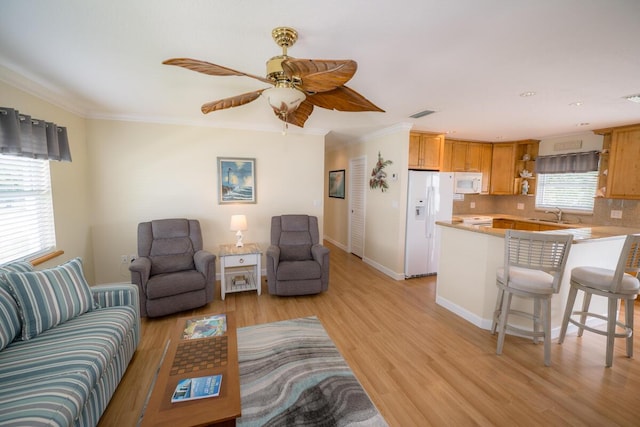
357, 205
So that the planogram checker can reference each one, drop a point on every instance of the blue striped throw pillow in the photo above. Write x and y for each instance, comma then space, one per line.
9, 318
47, 298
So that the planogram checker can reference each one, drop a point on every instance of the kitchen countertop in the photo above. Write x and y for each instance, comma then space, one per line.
581, 232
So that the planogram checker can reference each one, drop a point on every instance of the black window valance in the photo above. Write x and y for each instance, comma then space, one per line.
568, 163
21, 135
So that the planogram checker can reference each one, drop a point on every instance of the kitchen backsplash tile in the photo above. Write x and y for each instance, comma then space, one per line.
485, 204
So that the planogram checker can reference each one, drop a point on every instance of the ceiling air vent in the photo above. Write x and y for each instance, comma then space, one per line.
421, 114
633, 98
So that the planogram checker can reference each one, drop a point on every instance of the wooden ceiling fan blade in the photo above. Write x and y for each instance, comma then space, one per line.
234, 101
343, 99
210, 69
300, 115
319, 75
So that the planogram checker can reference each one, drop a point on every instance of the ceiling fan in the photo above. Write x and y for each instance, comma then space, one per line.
299, 84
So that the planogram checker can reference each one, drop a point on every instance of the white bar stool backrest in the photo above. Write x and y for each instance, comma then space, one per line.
538, 251
629, 261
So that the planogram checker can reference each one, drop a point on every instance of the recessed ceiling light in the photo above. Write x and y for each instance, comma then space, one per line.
449, 132
576, 104
633, 98
525, 94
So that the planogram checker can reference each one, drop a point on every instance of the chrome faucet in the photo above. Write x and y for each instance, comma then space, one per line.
558, 213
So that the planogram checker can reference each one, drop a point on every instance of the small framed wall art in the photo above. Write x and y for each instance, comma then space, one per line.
336, 184
236, 180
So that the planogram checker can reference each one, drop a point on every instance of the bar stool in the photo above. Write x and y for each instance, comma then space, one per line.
616, 285
533, 267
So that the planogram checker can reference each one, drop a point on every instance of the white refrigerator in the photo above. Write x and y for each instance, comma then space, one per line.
430, 199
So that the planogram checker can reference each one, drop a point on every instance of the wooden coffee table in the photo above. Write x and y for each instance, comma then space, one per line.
188, 358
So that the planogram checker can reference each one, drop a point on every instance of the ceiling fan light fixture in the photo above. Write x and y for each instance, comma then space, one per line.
284, 100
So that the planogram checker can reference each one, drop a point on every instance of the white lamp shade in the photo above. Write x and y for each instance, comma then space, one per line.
284, 99
238, 223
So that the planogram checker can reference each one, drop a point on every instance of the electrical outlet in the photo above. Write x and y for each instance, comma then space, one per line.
472, 205
123, 259
616, 214
521, 206
132, 257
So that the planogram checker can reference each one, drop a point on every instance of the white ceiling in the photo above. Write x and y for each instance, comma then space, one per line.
469, 60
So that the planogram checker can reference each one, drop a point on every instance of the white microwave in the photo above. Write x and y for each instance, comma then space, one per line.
467, 182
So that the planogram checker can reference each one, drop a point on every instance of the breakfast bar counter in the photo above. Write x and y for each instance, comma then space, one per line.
471, 254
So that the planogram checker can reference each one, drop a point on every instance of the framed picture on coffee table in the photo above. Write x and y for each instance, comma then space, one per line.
236, 180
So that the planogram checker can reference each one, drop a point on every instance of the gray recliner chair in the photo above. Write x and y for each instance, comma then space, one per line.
172, 271
297, 264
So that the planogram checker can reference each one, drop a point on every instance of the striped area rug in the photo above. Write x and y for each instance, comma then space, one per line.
291, 374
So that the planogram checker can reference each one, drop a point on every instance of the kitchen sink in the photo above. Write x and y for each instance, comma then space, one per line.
553, 221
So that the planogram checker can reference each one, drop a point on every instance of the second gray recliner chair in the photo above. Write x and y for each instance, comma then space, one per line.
297, 264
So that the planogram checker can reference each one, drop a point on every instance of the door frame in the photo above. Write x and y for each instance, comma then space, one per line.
352, 186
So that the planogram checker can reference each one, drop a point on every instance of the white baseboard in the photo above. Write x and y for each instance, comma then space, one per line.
336, 243
487, 323
383, 269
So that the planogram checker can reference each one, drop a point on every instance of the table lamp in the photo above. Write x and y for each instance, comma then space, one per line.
238, 224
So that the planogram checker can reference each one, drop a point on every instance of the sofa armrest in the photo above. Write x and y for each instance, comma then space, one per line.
273, 256
320, 254
204, 260
140, 269
119, 295
116, 295
273, 259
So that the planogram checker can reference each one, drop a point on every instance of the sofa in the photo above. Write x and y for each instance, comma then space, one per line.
64, 346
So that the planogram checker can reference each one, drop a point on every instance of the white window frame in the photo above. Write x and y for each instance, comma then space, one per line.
27, 227
582, 186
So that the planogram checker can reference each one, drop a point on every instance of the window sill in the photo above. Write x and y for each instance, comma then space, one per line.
46, 257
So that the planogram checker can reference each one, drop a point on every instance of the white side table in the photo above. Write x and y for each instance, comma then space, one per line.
240, 268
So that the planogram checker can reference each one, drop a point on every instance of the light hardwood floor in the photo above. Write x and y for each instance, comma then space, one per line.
420, 364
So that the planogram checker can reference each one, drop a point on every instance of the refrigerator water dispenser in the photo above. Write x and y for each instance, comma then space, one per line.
420, 210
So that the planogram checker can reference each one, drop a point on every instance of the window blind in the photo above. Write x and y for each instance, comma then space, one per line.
26, 211
572, 191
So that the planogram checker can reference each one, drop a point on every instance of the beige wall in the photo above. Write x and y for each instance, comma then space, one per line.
336, 211
126, 172
144, 171
385, 212
69, 180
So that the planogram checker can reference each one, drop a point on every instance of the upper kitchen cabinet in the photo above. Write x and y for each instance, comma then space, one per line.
620, 165
468, 156
502, 167
426, 151
509, 160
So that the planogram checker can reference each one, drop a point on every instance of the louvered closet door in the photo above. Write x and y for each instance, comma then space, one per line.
356, 205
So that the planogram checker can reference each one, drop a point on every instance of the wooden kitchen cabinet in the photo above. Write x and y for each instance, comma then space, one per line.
426, 151
507, 163
527, 226
447, 154
486, 154
468, 156
502, 168
623, 168
504, 223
